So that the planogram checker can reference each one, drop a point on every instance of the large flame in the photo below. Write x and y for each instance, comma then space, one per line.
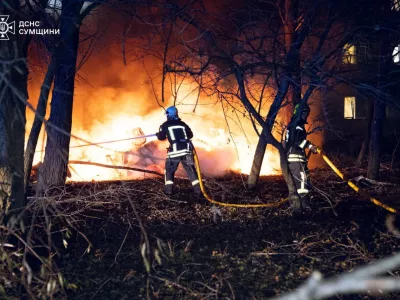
121, 105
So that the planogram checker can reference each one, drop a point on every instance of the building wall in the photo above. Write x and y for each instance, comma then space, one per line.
346, 135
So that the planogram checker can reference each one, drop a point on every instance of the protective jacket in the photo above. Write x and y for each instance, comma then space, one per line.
296, 142
178, 134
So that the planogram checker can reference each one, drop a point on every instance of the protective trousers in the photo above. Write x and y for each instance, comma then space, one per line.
171, 165
299, 170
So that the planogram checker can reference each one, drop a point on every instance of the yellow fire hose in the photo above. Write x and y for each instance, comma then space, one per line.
327, 160
209, 199
353, 186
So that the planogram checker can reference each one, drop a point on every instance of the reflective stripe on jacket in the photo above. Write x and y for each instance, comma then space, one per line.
178, 134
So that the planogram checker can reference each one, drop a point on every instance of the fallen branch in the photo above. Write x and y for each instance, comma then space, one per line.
390, 225
77, 162
363, 280
189, 291
372, 182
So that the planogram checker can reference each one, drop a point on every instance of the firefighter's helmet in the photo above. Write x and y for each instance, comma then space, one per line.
305, 111
306, 108
171, 113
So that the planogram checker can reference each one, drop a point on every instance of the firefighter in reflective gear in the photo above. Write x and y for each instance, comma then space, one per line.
179, 151
295, 143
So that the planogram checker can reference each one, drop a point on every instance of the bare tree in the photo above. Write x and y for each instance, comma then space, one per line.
57, 48
62, 69
365, 279
237, 53
13, 87
290, 19
367, 135
384, 47
379, 36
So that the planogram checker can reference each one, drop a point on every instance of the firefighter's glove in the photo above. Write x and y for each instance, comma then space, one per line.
314, 149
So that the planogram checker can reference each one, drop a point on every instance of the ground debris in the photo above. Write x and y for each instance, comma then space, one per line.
215, 252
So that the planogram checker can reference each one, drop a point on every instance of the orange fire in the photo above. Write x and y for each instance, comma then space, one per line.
121, 104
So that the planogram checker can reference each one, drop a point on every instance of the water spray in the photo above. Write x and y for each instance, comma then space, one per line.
109, 142
115, 141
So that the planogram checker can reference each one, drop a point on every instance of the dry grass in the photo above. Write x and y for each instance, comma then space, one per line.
126, 240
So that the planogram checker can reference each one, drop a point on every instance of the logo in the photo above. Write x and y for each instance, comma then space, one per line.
6, 28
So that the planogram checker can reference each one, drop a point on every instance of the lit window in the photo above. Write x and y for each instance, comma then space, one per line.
396, 55
349, 107
396, 5
349, 54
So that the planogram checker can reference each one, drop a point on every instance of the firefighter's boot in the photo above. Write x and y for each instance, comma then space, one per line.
296, 206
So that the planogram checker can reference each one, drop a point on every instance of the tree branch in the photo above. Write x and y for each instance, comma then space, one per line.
364, 280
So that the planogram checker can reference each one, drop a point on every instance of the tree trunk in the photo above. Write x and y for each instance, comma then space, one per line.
262, 142
374, 158
266, 135
14, 94
291, 17
294, 93
266, 125
55, 163
38, 121
287, 175
367, 135
252, 180
383, 65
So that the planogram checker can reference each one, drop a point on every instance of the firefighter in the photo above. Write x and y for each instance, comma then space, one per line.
295, 143
179, 151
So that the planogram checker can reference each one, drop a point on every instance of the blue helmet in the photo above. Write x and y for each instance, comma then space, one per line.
171, 113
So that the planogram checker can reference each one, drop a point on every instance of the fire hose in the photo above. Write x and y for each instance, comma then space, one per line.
326, 159
276, 204
209, 199
354, 186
